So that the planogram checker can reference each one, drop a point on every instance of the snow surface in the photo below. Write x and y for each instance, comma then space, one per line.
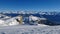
27, 29
34, 18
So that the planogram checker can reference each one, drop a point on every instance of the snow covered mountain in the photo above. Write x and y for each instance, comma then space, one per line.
7, 22
32, 12
6, 17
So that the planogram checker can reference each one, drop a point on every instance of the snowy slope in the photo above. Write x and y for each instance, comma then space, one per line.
34, 18
24, 29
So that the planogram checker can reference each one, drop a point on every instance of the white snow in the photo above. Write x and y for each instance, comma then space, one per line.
41, 25
13, 22
1, 21
34, 18
8, 22
26, 29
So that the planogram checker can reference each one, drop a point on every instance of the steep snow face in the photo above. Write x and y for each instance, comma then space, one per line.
8, 22
2, 23
12, 21
34, 18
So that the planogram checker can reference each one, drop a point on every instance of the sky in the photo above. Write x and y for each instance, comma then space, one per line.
37, 5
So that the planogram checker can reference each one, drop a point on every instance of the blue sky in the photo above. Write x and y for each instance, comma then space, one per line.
30, 5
